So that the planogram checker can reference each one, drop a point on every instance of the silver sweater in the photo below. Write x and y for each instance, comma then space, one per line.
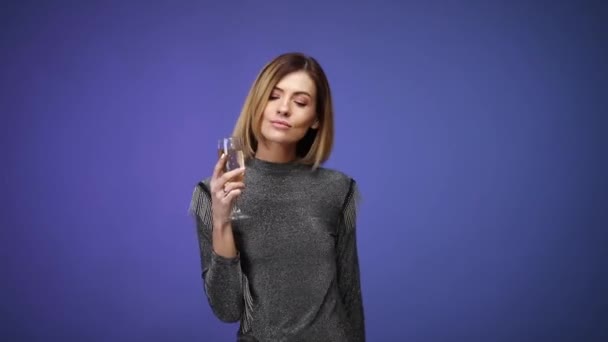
296, 275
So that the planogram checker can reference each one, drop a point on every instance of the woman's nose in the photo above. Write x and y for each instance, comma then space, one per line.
283, 108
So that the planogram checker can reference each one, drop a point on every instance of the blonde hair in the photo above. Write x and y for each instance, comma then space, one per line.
315, 147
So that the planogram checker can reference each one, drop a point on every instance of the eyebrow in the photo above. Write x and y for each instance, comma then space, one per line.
296, 93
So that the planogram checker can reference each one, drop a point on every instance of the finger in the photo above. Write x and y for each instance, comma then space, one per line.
231, 196
221, 195
219, 167
232, 174
228, 187
233, 186
218, 171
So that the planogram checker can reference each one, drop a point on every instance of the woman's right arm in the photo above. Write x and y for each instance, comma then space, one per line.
221, 269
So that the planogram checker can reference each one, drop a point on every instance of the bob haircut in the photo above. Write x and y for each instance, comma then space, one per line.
315, 147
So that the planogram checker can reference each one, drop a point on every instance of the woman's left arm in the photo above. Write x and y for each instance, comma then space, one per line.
349, 281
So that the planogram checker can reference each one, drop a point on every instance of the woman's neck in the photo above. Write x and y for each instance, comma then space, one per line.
275, 153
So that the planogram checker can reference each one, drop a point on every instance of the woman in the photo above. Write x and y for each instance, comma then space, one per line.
290, 272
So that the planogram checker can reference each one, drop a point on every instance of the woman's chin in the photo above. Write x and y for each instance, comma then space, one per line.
281, 138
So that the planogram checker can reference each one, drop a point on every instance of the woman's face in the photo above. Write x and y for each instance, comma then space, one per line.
290, 111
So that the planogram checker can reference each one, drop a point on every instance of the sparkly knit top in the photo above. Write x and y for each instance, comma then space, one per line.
296, 274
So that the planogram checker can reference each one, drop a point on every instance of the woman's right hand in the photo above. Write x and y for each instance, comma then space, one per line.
223, 191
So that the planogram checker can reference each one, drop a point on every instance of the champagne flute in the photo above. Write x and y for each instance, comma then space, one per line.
232, 147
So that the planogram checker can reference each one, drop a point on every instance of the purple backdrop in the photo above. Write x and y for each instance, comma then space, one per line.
474, 129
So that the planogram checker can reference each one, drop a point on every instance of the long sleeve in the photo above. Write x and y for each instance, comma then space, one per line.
348, 267
225, 285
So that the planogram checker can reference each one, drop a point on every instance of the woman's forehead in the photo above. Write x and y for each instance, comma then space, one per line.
297, 82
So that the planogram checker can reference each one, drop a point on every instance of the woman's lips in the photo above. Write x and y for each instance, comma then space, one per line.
280, 124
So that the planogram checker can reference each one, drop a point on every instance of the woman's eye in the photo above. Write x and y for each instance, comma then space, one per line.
300, 104
274, 96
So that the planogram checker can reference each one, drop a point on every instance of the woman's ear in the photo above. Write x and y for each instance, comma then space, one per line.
315, 125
